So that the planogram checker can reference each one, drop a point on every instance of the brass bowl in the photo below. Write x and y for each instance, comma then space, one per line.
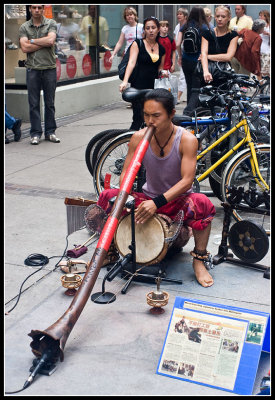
71, 282
157, 304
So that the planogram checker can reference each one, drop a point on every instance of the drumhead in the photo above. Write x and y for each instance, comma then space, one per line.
149, 238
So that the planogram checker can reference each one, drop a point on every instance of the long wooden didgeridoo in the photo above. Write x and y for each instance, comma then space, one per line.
54, 338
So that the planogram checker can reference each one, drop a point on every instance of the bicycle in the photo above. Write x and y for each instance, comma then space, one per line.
212, 128
113, 155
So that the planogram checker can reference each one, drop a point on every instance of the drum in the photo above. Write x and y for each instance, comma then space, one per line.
151, 238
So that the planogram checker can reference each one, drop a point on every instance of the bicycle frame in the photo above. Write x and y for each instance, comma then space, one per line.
246, 140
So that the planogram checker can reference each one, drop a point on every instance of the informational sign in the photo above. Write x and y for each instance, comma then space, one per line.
58, 69
215, 345
107, 63
87, 64
71, 66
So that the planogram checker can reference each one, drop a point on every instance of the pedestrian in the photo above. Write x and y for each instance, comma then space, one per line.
247, 58
217, 45
241, 20
265, 47
37, 39
14, 124
150, 56
170, 46
90, 29
169, 178
208, 14
182, 15
133, 30
196, 22
129, 32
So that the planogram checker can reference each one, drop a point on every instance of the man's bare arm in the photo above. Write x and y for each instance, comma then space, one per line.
46, 41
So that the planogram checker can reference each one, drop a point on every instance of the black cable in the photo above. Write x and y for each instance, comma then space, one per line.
39, 260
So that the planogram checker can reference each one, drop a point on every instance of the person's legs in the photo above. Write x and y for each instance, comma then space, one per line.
9, 120
137, 116
49, 86
201, 240
14, 124
193, 86
34, 86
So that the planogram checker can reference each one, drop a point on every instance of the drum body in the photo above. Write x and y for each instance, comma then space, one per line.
151, 246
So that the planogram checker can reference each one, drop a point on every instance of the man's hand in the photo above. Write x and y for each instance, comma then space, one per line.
144, 211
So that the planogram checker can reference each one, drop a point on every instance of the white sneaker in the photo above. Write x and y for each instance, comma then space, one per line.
52, 138
35, 140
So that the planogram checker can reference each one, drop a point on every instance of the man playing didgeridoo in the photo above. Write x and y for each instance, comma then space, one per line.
170, 164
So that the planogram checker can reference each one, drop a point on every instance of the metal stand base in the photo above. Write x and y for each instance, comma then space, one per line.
120, 267
103, 298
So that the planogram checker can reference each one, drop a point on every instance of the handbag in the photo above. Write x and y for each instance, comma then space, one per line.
170, 83
215, 68
124, 62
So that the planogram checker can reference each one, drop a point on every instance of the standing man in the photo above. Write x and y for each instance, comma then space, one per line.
241, 20
89, 28
37, 39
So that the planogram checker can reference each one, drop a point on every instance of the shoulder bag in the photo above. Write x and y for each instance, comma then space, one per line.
214, 67
124, 62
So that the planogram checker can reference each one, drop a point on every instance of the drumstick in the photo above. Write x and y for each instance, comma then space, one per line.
82, 245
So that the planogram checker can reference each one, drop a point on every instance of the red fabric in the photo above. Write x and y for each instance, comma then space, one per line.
198, 209
169, 48
248, 53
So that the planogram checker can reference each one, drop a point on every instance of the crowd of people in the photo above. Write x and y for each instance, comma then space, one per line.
238, 40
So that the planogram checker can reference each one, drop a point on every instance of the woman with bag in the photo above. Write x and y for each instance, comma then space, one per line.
189, 36
149, 56
219, 44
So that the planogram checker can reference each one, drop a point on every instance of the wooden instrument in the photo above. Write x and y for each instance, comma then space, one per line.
54, 338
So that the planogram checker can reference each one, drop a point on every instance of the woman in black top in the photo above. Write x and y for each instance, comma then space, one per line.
149, 55
226, 46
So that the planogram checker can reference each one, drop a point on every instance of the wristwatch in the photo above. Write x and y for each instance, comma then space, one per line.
32, 41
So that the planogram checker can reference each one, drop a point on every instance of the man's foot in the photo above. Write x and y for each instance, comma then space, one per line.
17, 130
6, 140
201, 273
35, 140
52, 138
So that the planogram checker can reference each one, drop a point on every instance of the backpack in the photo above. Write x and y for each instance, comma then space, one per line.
191, 40
124, 62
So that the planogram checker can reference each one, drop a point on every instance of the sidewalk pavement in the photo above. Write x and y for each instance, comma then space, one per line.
114, 348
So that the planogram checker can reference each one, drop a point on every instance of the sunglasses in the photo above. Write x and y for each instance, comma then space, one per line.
150, 18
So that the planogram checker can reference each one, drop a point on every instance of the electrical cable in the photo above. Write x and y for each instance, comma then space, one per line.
38, 260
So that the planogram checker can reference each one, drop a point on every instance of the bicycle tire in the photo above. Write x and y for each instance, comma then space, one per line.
91, 146
105, 141
238, 172
111, 160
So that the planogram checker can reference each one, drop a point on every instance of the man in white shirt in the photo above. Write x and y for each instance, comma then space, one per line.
241, 20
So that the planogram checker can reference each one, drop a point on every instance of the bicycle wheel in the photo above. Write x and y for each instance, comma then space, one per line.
110, 162
239, 173
91, 154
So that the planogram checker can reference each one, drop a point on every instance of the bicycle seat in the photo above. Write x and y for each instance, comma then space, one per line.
131, 94
178, 119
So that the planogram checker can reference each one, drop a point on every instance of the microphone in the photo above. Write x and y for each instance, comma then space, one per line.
47, 355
